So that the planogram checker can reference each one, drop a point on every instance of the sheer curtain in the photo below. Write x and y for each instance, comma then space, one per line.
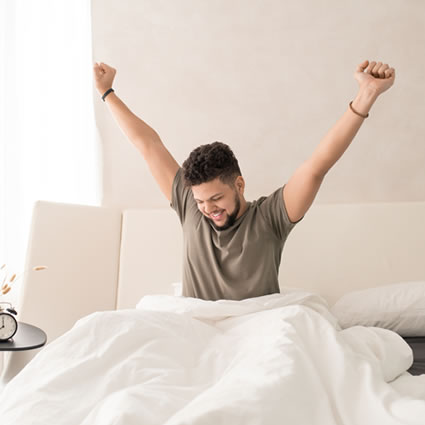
48, 143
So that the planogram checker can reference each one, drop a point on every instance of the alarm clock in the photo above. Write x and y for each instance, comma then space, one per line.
8, 323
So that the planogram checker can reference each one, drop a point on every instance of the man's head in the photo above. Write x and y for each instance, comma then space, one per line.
213, 173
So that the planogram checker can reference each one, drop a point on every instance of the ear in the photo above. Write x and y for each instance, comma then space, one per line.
240, 184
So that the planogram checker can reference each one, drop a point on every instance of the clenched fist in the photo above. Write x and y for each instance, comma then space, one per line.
103, 76
375, 75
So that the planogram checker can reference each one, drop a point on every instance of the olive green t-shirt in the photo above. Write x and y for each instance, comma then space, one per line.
239, 262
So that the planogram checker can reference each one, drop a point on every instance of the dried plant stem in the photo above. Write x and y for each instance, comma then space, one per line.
6, 287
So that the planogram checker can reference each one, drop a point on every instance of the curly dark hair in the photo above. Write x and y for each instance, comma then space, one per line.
207, 162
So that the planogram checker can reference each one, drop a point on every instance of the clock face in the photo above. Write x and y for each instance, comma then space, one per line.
8, 326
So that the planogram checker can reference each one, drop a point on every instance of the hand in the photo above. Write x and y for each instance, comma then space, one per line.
103, 76
375, 75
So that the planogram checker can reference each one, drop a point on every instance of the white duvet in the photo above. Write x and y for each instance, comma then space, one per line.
277, 359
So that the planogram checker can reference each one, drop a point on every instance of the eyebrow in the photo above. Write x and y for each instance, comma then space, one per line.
217, 194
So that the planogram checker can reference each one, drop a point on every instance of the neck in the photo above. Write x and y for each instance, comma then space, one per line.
243, 207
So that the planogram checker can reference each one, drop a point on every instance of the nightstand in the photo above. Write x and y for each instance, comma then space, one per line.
27, 337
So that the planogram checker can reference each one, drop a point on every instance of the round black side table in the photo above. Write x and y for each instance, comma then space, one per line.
27, 337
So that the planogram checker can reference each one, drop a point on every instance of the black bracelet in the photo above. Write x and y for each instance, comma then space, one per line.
106, 93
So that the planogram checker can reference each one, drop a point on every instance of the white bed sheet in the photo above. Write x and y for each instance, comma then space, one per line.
276, 359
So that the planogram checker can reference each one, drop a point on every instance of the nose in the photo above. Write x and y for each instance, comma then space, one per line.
209, 207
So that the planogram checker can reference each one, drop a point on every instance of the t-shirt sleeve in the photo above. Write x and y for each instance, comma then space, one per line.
182, 200
274, 212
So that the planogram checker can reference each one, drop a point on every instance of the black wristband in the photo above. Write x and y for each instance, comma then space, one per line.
106, 93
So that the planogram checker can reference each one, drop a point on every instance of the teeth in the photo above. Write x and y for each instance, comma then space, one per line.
216, 215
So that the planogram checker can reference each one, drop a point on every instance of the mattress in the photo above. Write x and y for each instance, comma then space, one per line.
417, 344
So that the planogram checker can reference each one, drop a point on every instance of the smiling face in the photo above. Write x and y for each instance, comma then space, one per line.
220, 203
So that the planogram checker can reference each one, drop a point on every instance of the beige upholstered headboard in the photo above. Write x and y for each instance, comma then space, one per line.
333, 250
101, 258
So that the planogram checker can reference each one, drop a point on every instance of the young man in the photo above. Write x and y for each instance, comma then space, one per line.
233, 247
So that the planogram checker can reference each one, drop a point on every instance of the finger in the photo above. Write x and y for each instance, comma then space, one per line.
376, 68
362, 66
381, 70
389, 72
108, 69
370, 67
105, 66
98, 71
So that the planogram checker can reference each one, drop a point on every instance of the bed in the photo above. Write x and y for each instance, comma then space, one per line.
345, 336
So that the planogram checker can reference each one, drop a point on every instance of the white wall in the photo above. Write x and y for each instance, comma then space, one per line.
269, 78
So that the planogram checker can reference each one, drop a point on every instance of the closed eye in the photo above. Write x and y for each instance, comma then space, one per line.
215, 199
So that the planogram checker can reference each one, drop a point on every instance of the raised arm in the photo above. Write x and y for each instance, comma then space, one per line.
301, 189
162, 165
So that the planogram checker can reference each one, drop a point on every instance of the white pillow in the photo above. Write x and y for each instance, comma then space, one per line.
399, 307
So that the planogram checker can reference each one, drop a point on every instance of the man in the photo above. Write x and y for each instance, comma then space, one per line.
232, 248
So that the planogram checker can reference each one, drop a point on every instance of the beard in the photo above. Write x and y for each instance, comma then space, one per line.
231, 218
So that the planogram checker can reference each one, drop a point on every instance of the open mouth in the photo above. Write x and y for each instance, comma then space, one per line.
218, 215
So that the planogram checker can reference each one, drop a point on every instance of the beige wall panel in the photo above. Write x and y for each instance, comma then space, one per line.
269, 78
